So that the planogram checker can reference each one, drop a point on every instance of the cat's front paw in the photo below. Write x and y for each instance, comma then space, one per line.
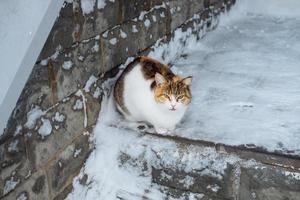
161, 131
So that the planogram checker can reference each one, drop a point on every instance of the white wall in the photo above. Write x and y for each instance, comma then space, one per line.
24, 27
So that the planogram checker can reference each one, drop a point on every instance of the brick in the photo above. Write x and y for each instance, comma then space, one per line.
269, 183
34, 188
68, 164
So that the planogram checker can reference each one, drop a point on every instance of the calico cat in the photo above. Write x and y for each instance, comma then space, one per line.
149, 91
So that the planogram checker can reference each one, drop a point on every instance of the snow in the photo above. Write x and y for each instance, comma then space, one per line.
24, 26
147, 23
46, 128
154, 18
123, 34
134, 29
113, 41
213, 188
10, 185
32, 116
67, 65
92, 80
245, 91
101, 4
78, 105
22, 196
13, 146
95, 48
292, 175
87, 6
77, 152
18, 130
245, 87
59, 117
80, 94
97, 93
107, 178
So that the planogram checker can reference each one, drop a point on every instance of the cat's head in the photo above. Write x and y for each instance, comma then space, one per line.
172, 94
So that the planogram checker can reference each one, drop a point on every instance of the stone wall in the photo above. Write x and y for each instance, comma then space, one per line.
46, 140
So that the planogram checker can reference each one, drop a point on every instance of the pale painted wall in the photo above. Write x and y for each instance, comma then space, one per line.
24, 27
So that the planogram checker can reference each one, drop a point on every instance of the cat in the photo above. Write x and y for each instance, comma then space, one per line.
149, 91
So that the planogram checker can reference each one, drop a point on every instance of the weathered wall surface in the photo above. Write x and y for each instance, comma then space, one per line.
47, 138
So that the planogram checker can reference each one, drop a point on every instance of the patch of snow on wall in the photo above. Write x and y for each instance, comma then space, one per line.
10, 185
87, 6
46, 128
67, 65
32, 116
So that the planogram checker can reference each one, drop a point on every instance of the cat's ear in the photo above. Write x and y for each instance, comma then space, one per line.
159, 79
187, 80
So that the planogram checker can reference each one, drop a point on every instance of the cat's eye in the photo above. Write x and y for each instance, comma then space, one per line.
167, 96
179, 97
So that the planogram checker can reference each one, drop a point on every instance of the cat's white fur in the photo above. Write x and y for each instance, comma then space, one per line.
140, 102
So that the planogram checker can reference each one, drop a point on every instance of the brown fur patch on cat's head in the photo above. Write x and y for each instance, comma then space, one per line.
176, 86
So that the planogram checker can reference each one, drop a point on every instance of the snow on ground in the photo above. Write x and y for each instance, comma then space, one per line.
246, 82
244, 91
109, 178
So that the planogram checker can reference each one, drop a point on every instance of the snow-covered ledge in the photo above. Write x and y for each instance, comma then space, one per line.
24, 27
